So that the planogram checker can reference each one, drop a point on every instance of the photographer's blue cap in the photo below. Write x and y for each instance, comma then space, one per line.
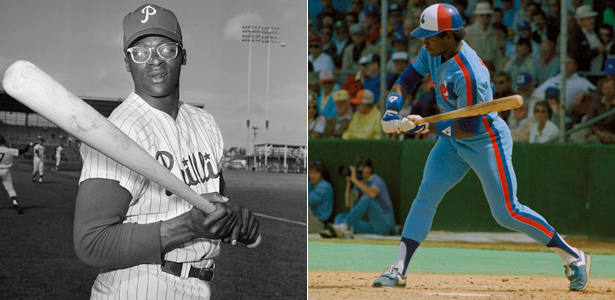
438, 18
150, 19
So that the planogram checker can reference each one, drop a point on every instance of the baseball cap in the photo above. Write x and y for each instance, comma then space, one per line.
370, 58
524, 25
340, 24
326, 76
363, 97
372, 10
341, 95
150, 19
438, 18
400, 56
314, 37
358, 29
552, 91
609, 66
523, 79
399, 37
394, 7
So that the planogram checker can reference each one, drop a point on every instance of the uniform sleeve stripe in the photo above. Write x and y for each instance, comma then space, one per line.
470, 79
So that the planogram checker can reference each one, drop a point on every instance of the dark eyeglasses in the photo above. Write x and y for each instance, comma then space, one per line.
543, 111
312, 107
314, 46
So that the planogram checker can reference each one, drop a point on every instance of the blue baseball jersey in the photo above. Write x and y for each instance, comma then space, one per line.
459, 82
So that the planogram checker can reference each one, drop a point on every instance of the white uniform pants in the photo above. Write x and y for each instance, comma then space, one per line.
7, 181
38, 165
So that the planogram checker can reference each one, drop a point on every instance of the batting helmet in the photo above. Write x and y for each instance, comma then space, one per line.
438, 18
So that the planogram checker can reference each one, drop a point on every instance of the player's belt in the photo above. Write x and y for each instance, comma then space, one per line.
206, 274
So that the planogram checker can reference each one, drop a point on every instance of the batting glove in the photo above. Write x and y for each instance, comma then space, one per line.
390, 121
408, 125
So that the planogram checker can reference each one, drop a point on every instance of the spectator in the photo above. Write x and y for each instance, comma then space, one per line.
352, 18
321, 61
328, 46
525, 87
602, 131
506, 49
543, 31
571, 26
400, 44
509, 12
356, 9
370, 74
365, 122
414, 45
548, 64
373, 200
520, 124
359, 48
314, 83
503, 89
523, 61
316, 122
425, 105
400, 62
584, 44
552, 98
395, 19
543, 130
479, 35
338, 124
524, 30
497, 16
606, 37
320, 197
525, 14
326, 108
553, 14
372, 23
575, 84
341, 40
327, 10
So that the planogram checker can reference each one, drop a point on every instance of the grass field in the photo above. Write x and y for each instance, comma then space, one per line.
38, 260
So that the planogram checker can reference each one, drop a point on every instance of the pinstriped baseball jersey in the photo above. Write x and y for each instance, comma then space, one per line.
39, 151
6, 157
190, 146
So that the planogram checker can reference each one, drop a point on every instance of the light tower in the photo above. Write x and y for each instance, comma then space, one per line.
270, 35
250, 34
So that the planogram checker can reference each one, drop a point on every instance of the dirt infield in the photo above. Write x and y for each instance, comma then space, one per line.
357, 285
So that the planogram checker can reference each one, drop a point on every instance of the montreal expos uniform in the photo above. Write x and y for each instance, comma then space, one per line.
462, 81
191, 147
38, 162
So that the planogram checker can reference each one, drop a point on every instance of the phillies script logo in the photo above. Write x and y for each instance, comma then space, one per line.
148, 11
195, 169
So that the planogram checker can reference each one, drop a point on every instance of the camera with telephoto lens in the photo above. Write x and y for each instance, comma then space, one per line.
344, 171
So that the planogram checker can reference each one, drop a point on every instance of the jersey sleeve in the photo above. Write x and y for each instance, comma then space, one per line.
415, 71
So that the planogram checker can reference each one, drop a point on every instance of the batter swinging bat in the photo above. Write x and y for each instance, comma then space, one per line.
41, 93
500, 104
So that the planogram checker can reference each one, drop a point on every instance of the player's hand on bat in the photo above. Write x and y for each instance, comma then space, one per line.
216, 225
407, 125
246, 230
390, 121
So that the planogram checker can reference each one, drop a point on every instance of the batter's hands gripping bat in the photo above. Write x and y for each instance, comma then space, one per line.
500, 104
41, 93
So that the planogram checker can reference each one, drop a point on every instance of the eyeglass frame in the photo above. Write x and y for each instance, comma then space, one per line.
149, 56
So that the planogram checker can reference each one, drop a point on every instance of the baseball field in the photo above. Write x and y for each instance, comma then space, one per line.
345, 269
38, 260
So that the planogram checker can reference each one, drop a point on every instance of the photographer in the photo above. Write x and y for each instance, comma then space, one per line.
373, 200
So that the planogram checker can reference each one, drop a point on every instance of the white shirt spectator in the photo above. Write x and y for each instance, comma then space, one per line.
550, 132
574, 85
323, 62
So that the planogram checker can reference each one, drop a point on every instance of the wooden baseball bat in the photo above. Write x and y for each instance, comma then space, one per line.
500, 104
35, 89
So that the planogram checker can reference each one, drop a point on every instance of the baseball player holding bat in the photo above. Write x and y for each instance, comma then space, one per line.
482, 143
149, 243
6, 162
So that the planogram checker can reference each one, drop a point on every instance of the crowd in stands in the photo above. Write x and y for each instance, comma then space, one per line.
518, 41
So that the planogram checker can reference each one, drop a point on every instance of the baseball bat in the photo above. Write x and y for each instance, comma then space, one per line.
35, 89
500, 104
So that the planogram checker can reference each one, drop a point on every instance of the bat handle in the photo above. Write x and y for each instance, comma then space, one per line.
256, 243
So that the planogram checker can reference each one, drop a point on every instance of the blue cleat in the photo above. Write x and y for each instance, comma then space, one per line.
578, 272
391, 277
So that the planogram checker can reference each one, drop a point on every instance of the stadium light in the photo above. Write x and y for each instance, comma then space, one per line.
270, 35
250, 34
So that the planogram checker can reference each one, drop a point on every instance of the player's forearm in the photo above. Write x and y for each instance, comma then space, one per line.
174, 232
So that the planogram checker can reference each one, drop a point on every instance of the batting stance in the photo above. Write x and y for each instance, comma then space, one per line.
482, 143
38, 162
6, 162
149, 243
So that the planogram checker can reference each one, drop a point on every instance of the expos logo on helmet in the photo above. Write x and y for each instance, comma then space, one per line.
438, 18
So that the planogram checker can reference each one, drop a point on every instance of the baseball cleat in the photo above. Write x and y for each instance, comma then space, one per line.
578, 272
18, 209
391, 277
340, 230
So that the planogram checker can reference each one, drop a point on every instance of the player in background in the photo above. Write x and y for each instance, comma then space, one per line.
482, 143
58, 156
148, 243
38, 161
6, 162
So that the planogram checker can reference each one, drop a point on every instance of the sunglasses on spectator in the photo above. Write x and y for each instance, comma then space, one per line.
315, 46
542, 111
312, 107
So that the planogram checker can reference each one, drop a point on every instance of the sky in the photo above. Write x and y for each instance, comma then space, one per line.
79, 43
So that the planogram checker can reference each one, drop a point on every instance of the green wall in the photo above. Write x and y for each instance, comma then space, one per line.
572, 186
